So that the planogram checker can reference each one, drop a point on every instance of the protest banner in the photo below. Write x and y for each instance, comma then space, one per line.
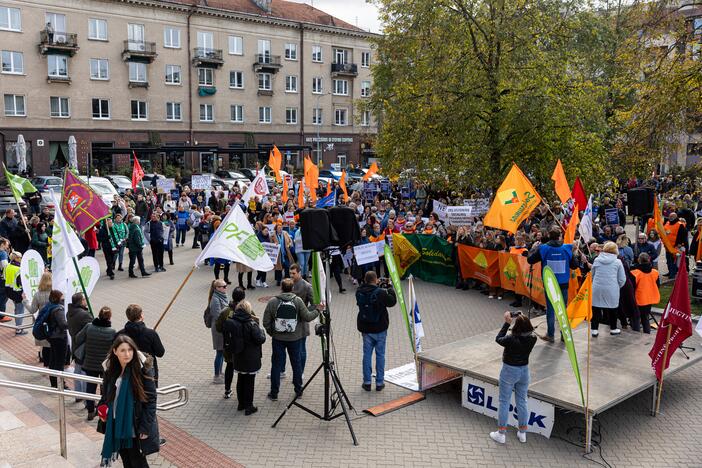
480, 264
366, 253
435, 263
380, 246
612, 216
479, 206
272, 249
165, 185
201, 182
31, 269
459, 215
440, 209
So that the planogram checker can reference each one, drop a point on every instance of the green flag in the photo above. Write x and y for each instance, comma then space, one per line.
553, 291
319, 279
436, 262
395, 277
19, 185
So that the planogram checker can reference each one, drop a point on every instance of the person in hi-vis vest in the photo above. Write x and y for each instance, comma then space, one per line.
676, 232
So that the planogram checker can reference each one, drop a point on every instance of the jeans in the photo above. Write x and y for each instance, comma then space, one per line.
551, 315
670, 260
373, 341
78, 385
91, 388
120, 255
303, 259
3, 298
180, 234
303, 354
245, 389
279, 274
218, 361
19, 310
513, 378
278, 363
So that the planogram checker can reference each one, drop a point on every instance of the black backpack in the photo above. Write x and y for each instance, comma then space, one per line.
368, 309
285, 316
233, 333
41, 330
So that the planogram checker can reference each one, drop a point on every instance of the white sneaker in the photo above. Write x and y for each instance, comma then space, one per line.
594, 332
282, 375
218, 379
498, 437
616, 331
491, 297
499, 298
521, 436
264, 285
258, 283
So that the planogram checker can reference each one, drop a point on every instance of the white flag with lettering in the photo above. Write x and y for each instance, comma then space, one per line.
258, 188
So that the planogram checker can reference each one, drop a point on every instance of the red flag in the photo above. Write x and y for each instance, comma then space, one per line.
80, 205
137, 172
676, 319
578, 194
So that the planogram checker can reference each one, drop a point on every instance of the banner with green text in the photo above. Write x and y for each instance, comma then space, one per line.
436, 262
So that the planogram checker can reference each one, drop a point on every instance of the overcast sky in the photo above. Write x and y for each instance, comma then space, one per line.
357, 12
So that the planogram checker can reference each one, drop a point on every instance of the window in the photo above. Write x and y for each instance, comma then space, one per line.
58, 66
341, 56
317, 87
171, 37
205, 77
365, 118
264, 115
236, 79
14, 106
365, 59
99, 69
135, 34
291, 51
101, 108
340, 117
58, 23
97, 29
205, 40
173, 74
264, 50
291, 115
237, 113
137, 72
236, 45
341, 87
291, 84
173, 111
59, 107
206, 113
12, 62
317, 53
139, 110
10, 19
317, 116
264, 81
365, 88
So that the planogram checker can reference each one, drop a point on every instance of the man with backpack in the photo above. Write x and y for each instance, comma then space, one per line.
283, 320
373, 322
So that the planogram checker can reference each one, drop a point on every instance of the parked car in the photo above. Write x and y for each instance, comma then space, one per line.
217, 183
44, 183
233, 179
7, 201
102, 187
248, 173
120, 182
336, 175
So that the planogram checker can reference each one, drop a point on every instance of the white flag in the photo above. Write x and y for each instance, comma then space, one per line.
585, 227
417, 319
235, 240
65, 245
258, 188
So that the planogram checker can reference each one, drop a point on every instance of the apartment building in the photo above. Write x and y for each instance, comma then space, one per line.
136, 73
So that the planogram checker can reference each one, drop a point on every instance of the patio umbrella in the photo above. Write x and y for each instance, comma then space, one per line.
72, 153
21, 151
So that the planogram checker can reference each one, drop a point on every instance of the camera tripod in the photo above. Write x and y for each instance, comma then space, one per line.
331, 399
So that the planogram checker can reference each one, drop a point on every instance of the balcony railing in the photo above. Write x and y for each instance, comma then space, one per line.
267, 63
58, 42
58, 79
206, 57
139, 51
348, 69
138, 84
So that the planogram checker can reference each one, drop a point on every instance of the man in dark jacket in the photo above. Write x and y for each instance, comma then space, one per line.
146, 339
77, 317
135, 243
642, 245
373, 322
110, 244
155, 228
141, 209
58, 337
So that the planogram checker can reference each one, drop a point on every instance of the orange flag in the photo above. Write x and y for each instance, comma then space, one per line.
515, 200
275, 161
372, 170
301, 194
285, 190
660, 227
580, 307
342, 184
307, 170
329, 189
698, 255
559, 177
569, 235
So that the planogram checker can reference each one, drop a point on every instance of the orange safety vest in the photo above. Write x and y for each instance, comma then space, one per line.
517, 250
379, 238
671, 232
646, 288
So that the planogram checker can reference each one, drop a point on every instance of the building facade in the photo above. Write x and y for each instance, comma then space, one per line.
136, 73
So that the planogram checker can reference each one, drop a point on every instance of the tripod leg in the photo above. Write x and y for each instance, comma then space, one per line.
339, 391
296, 396
341, 387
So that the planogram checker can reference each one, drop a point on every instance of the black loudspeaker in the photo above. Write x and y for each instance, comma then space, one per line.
317, 231
343, 220
640, 201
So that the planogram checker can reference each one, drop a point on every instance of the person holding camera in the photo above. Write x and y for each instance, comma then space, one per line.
515, 373
373, 298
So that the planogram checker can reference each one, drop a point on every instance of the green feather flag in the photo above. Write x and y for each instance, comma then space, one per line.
19, 185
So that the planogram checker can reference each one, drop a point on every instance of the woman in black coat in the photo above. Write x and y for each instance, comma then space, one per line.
128, 406
243, 338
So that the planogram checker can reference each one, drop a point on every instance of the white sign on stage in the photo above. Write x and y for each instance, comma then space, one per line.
403, 376
459, 215
272, 249
366, 253
484, 398
201, 182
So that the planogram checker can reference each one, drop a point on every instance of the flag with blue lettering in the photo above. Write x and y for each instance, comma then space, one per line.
327, 201
417, 318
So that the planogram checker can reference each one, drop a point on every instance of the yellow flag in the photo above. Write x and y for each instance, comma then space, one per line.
660, 227
404, 252
515, 200
580, 307
559, 177
569, 235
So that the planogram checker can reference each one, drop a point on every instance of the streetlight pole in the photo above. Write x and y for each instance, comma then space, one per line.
319, 124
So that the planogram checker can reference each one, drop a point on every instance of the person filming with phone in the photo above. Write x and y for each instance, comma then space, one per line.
515, 372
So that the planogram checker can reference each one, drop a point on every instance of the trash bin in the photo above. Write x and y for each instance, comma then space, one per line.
696, 292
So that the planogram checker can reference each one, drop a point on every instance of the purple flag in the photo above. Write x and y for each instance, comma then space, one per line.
80, 205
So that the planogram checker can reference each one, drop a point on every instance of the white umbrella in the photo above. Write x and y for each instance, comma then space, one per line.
72, 153
21, 151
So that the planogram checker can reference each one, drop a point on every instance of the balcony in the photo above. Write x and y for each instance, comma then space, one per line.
207, 58
58, 79
344, 69
267, 63
58, 43
265, 92
138, 84
139, 51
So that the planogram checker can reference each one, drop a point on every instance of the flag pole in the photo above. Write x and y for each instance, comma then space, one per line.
168, 307
588, 436
665, 360
413, 329
19, 208
82, 286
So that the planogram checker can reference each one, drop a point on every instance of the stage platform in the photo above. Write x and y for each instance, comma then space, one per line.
619, 366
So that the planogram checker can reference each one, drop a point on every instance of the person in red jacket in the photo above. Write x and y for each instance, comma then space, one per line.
90, 237
647, 293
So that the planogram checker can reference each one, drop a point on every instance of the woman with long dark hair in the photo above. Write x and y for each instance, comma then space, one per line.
128, 406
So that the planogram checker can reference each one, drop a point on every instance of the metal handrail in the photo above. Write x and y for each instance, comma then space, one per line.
17, 327
61, 392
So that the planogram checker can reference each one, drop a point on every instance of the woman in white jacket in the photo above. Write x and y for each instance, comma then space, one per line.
607, 279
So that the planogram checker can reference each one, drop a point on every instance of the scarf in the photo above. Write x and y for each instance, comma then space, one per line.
119, 427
